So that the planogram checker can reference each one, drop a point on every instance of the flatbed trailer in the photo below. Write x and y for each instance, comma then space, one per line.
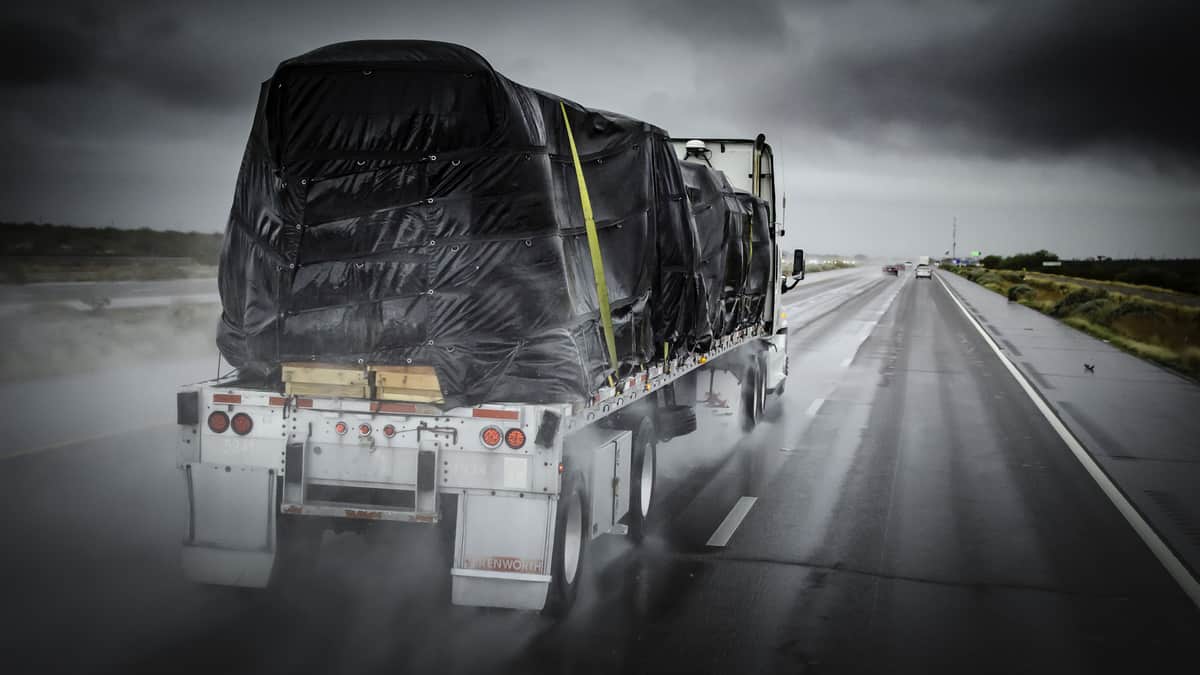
523, 487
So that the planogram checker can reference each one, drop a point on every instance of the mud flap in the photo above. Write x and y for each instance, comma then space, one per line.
231, 524
502, 550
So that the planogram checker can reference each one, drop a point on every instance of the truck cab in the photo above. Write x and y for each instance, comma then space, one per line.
749, 166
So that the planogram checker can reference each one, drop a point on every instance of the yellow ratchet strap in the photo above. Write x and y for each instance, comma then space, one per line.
593, 245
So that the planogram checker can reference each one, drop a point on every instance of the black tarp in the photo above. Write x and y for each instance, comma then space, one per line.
401, 202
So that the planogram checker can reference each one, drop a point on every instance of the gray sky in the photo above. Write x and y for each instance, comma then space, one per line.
1068, 125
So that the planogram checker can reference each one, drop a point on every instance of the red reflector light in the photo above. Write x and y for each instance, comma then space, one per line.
401, 408
491, 436
227, 398
218, 422
364, 429
341, 428
242, 424
515, 439
491, 413
389, 430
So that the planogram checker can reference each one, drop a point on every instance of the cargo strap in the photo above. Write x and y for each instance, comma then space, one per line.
593, 245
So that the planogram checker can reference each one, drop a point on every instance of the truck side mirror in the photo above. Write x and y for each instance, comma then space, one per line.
797, 271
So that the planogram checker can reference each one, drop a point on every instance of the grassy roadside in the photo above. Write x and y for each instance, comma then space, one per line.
1166, 333
35, 270
36, 253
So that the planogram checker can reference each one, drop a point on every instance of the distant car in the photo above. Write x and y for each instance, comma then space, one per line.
890, 269
924, 271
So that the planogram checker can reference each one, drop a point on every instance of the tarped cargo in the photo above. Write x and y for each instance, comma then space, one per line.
400, 202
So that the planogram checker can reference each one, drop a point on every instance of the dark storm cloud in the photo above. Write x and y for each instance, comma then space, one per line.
747, 24
136, 112
1034, 79
139, 46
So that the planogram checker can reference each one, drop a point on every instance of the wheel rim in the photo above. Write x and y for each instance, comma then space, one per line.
646, 490
572, 539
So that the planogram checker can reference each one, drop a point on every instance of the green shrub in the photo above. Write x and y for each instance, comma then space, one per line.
1019, 291
1074, 299
989, 278
1097, 311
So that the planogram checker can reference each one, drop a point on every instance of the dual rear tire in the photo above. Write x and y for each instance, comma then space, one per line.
572, 527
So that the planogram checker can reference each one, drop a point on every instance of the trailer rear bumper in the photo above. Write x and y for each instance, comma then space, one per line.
357, 512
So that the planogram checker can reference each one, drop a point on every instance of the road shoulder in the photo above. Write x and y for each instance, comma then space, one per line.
1135, 420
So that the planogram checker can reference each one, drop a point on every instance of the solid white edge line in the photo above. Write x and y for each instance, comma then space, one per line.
1157, 546
732, 521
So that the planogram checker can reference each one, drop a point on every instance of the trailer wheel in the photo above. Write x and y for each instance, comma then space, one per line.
643, 471
570, 545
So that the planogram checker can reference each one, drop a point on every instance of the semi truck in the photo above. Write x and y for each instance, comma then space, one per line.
519, 487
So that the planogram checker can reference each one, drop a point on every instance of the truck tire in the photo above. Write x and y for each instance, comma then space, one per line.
753, 396
643, 472
571, 538
674, 420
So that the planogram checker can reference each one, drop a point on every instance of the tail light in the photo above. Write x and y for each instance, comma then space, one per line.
341, 428
389, 430
218, 422
364, 429
515, 439
491, 436
242, 424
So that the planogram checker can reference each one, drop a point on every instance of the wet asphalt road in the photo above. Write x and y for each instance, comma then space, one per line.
914, 514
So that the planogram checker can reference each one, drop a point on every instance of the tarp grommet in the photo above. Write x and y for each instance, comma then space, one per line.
304, 181
529, 242
429, 200
455, 162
